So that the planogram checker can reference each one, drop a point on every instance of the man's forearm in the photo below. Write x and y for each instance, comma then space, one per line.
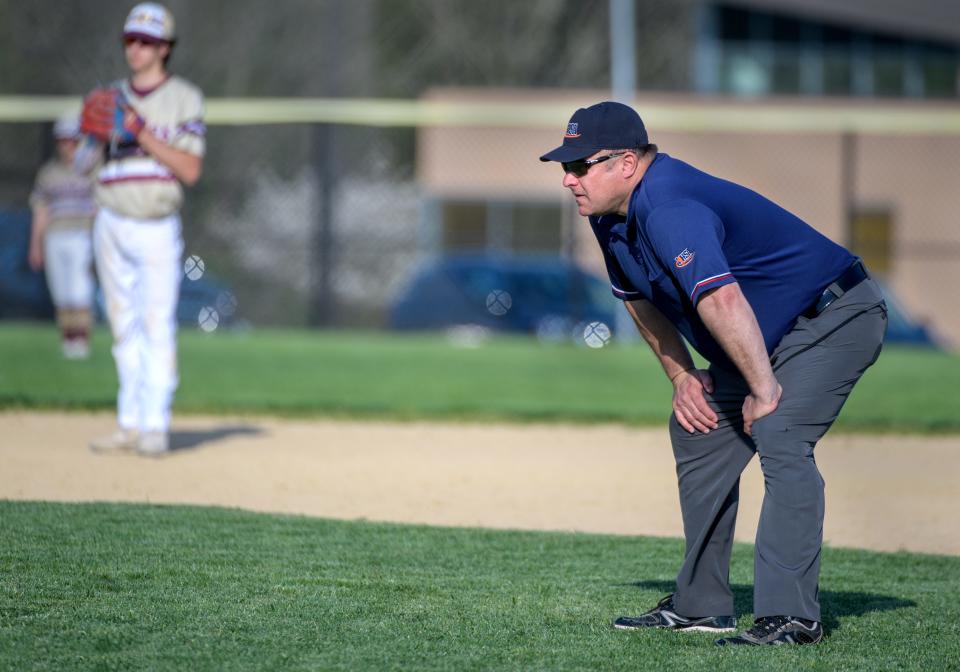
185, 166
729, 317
662, 337
39, 220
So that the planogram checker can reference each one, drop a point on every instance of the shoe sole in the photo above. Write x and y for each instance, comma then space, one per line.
805, 641
777, 643
703, 628
692, 628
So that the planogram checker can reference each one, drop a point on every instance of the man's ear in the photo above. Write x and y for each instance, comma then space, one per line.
629, 164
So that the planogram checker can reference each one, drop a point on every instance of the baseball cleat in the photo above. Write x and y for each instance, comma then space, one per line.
122, 440
153, 444
775, 630
664, 617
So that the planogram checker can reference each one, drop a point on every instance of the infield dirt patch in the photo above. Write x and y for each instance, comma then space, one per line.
883, 492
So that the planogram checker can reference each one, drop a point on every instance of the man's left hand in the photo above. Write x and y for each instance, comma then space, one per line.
756, 407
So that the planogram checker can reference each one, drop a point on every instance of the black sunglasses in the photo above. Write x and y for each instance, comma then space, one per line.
580, 168
143, 41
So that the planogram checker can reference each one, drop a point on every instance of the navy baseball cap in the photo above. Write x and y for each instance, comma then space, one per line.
606, 125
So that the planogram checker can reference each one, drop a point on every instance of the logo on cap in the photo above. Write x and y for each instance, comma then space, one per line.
573, 130
684, 258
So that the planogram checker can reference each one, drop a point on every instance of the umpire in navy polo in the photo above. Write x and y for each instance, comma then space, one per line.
788, 321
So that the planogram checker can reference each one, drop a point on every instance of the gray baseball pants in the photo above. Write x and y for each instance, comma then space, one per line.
817, 363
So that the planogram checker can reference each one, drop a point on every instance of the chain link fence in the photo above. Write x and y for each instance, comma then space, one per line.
304, 224
324, 225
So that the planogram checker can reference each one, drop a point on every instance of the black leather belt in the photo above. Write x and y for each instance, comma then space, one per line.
849, 279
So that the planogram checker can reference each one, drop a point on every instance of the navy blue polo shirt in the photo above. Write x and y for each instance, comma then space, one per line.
687, 232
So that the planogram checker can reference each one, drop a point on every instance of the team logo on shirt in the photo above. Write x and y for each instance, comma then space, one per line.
684, 258
573, 130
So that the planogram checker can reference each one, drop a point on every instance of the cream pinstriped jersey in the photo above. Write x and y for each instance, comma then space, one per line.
66, 194
134, 184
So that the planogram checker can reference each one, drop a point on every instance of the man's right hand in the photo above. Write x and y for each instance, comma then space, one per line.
689, 404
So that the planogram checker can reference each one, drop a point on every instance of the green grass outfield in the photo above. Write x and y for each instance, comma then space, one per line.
426, 377
131, 587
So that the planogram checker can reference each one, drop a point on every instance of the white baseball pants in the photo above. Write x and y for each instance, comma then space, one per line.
68, 262
139, 264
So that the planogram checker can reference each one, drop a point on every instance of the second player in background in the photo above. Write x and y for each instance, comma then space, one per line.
63, 209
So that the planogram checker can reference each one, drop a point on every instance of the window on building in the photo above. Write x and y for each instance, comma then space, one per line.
837, 73
760, 52
502, 226
939, 65
785, 71
464, 226
536, 228
889, 58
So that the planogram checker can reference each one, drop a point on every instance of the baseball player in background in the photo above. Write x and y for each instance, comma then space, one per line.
63, 208
150, 128
788, 321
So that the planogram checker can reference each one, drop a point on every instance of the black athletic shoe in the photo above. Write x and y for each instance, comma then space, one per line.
774, 630
663, 616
